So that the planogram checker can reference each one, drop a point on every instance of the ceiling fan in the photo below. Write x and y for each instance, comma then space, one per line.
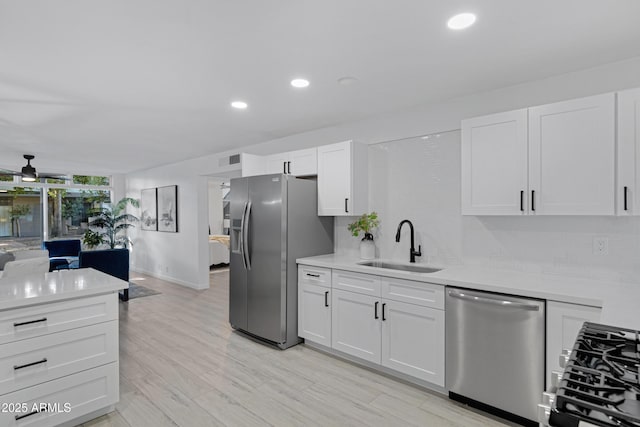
29, 173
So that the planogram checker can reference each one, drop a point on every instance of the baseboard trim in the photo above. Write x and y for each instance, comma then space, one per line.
171, 279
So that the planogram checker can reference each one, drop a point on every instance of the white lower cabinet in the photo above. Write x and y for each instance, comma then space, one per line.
396, 323
355, 322
563, 324
413, 340
314, 313
61, 355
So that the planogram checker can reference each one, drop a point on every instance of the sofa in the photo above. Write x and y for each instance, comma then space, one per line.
114, 262
62, 253
26, 262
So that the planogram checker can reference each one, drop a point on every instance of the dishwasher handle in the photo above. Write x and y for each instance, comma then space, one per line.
499, 302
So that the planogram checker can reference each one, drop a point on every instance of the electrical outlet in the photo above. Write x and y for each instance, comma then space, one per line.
600, 246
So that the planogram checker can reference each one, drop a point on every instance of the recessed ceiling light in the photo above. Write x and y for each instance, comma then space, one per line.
347, 80
240, 105
461, 21
299, 83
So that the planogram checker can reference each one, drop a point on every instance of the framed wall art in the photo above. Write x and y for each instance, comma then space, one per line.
149, 209
168, 208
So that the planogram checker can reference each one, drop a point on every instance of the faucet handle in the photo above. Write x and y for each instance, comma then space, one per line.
419, 253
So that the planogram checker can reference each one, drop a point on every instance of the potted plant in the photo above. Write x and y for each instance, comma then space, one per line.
366, 223
111, 221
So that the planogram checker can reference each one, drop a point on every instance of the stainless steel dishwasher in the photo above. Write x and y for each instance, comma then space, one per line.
495, 349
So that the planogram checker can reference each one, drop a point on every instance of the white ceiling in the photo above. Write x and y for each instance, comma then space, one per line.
122, 85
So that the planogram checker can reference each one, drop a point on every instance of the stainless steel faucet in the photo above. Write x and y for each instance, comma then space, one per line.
412, 252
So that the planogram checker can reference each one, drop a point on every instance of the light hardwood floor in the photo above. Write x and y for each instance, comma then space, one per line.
181, 364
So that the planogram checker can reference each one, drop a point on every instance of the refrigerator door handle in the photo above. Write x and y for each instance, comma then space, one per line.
245, 240
241, 237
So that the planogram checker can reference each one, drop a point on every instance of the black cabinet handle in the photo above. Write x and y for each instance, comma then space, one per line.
522, 200
375, 310
284, 167
19, 417
16, 324
625, 197
533, 200
289, 167
326, 299
16, 367
346, 206
383, 315
313, 275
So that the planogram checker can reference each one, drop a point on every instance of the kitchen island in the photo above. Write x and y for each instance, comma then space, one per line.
58, 347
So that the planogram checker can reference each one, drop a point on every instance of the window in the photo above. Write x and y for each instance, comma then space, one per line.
50, 209
20, 217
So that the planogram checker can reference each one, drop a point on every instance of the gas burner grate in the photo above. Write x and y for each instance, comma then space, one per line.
601, 382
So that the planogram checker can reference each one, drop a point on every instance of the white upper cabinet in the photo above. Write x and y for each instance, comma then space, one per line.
554, 159
494, 164
276, 163
296, 163
252, 164
342, 179
628, 185
572, 157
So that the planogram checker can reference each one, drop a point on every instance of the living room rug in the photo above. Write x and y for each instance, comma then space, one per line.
139, 291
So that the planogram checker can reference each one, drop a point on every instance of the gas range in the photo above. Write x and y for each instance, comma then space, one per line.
600, 385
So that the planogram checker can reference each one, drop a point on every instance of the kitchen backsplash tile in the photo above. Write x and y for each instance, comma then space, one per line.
419, 179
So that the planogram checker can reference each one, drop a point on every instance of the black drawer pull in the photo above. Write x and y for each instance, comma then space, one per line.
326, 299
16, 324
346, 205
19, 417
375, 310
313, 275
383, 306
289, 168
522, 200
16, 367
625, 198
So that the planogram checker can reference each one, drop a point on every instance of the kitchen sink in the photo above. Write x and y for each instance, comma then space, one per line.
402, 267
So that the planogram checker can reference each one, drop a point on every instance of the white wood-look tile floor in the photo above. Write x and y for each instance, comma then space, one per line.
181, 364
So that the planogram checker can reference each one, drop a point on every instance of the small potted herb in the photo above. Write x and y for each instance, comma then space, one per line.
365, 224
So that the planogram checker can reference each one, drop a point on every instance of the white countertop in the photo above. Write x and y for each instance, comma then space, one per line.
620, 302
56, 286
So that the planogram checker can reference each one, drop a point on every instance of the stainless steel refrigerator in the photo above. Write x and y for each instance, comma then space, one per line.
274, 221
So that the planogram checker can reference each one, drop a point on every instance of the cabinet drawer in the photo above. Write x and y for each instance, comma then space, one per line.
314, 275
420, 293
356, 282
28, 322
83, 393
29, 362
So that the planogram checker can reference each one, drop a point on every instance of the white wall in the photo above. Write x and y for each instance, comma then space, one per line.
182, 257
215, 205
419, 179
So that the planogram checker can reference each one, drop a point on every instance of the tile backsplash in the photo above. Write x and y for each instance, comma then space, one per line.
419, 179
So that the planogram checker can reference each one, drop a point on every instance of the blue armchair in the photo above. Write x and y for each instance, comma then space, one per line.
62, 253
114, 262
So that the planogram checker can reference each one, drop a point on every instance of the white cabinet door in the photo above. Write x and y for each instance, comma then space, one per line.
304, 162
628, 185
252, 165
413, 340
563, 324
277, 163
494, 164
342, 179
355, 320
314, 313
572, 157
